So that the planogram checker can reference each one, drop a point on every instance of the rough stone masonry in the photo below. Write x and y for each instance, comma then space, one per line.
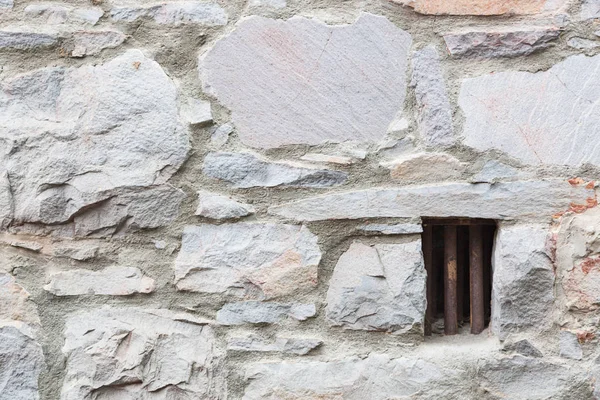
222, 199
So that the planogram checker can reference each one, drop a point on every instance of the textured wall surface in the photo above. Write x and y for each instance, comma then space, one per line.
222, 199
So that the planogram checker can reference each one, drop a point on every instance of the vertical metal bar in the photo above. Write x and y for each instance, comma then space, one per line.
461, 262
450, 303
428, 258
476, 278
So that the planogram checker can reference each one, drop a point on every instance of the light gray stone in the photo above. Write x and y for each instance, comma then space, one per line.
268, 3
569, 345
67, 150
221, 135
27, 244
6, 4
112, 281
534, 200
523, 347
590, 9
484, 7
434, 113
582, 44
6, 200
312, 83
523, 284
526, 113
256, 312
16, 307
129, 353
89, 43
173, 13
260, 260
21, 361
53, 13
375, 378
197, 112
246, 170
388, 229
419, 166
254, 343
494, 171
217, 206
76, 251
500, 42
23, 39
378, 288
327, 158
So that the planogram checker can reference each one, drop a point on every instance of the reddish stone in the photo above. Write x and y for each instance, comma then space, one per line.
481, 7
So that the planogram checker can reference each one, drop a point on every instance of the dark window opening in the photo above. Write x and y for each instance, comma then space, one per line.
458, 260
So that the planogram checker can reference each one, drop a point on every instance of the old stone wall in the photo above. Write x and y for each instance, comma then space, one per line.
222, 199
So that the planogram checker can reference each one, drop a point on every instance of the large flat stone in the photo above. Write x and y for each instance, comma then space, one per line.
260, 260
537, 200
246, 170
89, 43
378, 288
482, 7
21, 361
26, 38
113, 281
173, 13
548, 117
66, 149
129, 353
523, 284
312, 83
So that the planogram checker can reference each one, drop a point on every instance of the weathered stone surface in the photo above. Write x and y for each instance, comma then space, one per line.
378, 288
524, 200
6, 5
416, 167
590, 9
174, 13
26, 244
482, 7
375, 378
21, 360
268, 3
279, 345
76, 251
6, 201
312, 83
494, 171
522, 293
582, 44
397, 229
523, 347
260, 260
15, 305
434, 112
246, 170
52, 13
569, 345
221, 135
525, 112
113, 281
197, 112
507, 42
131, 353
531, 378
217, 206
327, 158
26, 39
256, 312
66, 150
89, 43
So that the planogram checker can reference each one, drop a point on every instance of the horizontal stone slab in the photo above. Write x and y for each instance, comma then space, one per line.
175, 13
256, 312
253, 343
482, 7
522, 199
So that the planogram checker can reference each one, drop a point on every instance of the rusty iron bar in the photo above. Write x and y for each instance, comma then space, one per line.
428, 259
476, 279
450, 287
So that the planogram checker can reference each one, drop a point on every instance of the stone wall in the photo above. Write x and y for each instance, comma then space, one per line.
222, 199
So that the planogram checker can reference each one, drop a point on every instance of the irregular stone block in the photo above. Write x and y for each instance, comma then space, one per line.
397, 229
26, 40
85, 148
21, 360
378, 288
268, 3
375, 378
327, 158
569, 345
590, 9
6, 4
525, 112
197, 112
113, 281
174, 13
434, 111
116, 353
302, 73
216, 206
582, 44
245, 170
89, 43
502, 42
26, 244
221, 135
15, 305
79, 252
6, 201
414, 167
256, 312
52, 13
260, 260
523, 284
523, 347
494, 171
279, 345
537, 200
482, 7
